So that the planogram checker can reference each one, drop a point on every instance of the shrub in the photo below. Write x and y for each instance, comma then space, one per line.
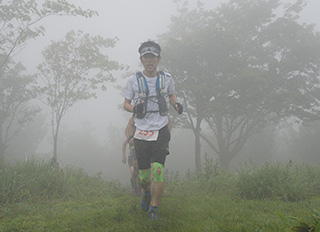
216, 179
35, 179
212, 179
303, 226
31, 178
278, 181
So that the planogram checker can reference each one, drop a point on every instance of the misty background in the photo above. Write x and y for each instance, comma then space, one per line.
92, 131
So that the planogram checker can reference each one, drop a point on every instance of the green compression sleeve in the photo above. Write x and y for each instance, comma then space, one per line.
145, 176
157, 172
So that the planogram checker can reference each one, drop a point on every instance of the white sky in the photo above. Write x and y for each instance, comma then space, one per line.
131, 21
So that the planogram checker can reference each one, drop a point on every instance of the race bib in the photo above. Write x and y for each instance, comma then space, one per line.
151, 135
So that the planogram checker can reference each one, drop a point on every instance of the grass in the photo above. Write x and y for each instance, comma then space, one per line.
192, 203
285, 182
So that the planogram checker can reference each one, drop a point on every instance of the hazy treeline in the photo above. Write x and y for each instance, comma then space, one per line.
247, 73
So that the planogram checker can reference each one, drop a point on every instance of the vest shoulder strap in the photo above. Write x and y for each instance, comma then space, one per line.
161, 81
142, 83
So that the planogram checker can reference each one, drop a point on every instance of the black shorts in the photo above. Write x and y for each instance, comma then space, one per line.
148, 152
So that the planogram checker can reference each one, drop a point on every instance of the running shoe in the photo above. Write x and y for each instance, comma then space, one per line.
145, 203
153, 214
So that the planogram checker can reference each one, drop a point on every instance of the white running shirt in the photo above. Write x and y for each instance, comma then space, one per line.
152, 120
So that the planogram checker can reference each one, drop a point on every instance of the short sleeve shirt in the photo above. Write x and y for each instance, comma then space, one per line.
152, 120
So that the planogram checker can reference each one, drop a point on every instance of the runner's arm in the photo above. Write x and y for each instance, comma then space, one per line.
127, 105
173, 99
130, 128
124, 145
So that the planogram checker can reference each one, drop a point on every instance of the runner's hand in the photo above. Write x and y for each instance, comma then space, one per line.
178, 107
124, 160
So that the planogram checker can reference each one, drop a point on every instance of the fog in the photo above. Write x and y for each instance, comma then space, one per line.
103, 119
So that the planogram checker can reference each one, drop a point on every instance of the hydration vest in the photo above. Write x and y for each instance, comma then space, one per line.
162, 95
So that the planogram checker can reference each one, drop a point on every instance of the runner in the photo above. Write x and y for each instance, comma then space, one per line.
148, 95
133, 165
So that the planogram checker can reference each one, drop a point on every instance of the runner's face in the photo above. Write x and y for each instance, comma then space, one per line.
150, 63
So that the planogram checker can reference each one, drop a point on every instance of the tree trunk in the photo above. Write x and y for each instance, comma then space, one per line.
55, 145
225, 160
1, 153
54, 161
196, 128
198, 151
2, 148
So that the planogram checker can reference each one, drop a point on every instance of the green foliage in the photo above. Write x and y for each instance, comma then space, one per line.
313, 226
213, 180
19, 21
73, 69
16, 90
37, 197
278, 181
90, 204
29, 179
33, 180
216, 179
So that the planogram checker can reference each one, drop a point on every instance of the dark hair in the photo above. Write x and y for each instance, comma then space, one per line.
149, 43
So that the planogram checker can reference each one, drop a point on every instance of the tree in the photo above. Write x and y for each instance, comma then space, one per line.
240, 68
304, 143
81, 148
27, 141
16, 90
72, 71
260, 148
18, 20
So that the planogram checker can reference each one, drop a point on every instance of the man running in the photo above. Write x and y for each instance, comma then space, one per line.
148, 95
133, 164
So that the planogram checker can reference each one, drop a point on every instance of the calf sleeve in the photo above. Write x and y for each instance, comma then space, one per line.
157, 172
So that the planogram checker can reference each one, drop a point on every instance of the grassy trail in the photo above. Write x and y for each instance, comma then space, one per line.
36, 197
193, 212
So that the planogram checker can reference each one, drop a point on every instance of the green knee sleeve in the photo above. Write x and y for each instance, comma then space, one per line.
144, 176
157, 172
